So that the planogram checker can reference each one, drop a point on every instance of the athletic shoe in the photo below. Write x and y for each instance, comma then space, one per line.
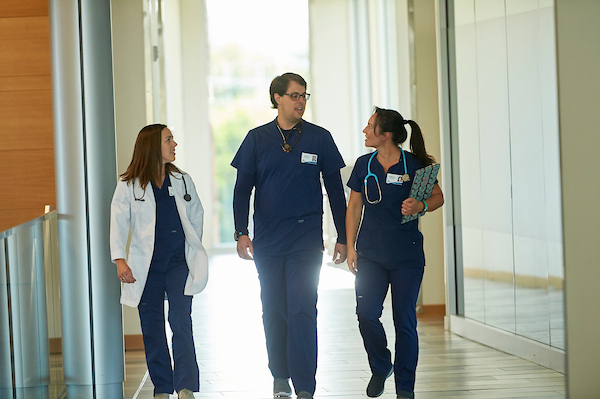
281, 388
304, 395
377, 384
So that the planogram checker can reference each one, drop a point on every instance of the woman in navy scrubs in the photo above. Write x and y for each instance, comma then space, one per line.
387, 253
159, 204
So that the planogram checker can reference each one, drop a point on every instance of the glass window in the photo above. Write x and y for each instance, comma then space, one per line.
509, 225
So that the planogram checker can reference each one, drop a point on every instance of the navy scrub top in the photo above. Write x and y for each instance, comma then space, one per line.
169, 239
288, 198
382, 238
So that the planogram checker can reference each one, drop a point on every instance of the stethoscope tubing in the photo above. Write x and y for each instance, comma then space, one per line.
186, 196
371, 174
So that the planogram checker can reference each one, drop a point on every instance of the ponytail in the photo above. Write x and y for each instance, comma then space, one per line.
391, 121
417, 144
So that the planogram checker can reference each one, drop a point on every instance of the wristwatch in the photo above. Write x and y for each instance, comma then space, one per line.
238, 234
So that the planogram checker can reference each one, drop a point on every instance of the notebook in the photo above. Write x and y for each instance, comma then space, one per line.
422, 186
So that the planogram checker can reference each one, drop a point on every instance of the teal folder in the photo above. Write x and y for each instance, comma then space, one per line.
422, 186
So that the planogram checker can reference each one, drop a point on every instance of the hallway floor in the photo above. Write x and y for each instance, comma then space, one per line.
231, 352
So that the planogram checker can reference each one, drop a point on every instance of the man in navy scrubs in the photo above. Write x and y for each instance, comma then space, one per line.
284, 162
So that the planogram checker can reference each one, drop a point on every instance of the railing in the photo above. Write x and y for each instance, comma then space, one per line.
30, 328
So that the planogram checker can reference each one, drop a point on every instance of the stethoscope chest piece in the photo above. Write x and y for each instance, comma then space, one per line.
187, 195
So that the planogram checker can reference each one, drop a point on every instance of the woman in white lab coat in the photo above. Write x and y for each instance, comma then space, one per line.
158, 203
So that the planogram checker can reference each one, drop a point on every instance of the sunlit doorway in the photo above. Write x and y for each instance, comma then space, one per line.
247, 49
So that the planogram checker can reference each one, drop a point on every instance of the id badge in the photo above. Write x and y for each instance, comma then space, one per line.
170, 190
309, 158
392, 178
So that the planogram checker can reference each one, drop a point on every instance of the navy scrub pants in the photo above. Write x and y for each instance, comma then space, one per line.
289, 301
185, 374
372, 283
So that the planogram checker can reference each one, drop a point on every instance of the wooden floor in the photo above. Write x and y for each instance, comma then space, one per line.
230, 348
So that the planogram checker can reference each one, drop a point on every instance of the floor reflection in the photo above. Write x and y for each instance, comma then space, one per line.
535, 313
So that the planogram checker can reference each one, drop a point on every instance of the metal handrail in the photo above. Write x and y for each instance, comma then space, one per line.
28, 224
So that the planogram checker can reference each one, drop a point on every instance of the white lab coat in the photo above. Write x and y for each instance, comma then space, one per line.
127, 214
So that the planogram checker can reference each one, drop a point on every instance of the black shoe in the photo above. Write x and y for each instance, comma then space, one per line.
377, 384
405, 395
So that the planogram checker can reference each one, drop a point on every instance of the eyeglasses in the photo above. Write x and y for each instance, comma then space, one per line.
296, 96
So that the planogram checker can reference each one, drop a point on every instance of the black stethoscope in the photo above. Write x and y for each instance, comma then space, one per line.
373, 175
186, 196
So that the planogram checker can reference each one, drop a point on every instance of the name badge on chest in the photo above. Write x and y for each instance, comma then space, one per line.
171, 191
309, 158
392, 178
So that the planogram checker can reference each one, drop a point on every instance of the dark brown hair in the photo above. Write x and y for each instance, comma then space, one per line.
281, 83
146, 161
391, 121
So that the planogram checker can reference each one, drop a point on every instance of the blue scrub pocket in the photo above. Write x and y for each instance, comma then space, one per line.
396, 250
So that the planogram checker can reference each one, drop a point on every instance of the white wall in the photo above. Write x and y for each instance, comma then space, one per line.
578, 35
186, 93
330, 84
427, 116
130, 98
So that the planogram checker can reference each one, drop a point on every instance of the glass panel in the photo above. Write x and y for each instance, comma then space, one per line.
51, 270
492, 92
549, 93
509, 224
5, 350
30, 362
469, 226
528, 169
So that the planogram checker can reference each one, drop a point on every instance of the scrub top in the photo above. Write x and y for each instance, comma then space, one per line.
169, 239
288, 198
382, 237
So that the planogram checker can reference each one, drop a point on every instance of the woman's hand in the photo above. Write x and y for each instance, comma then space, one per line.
411, 206
124, 272
351, 259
